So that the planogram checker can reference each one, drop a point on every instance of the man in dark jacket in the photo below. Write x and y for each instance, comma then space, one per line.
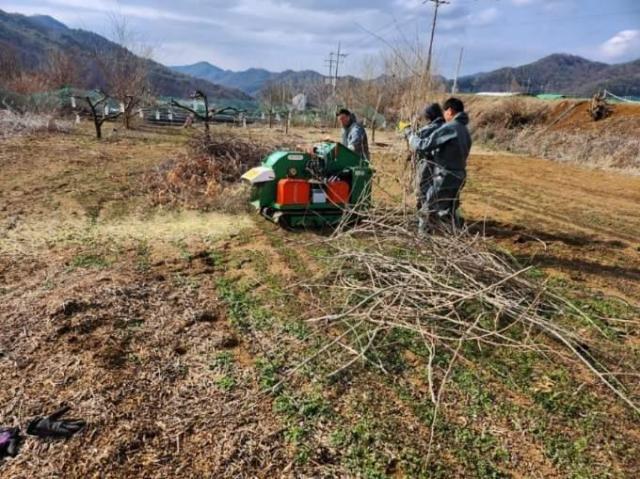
450, 146
354, 135
424, 166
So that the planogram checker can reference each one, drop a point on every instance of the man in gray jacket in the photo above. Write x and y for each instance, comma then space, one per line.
450, 146
354, 135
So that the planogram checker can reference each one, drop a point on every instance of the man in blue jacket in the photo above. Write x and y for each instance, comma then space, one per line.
450, 146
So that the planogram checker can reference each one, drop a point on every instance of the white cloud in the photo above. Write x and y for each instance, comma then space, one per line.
621, 44
473, 19
522, 2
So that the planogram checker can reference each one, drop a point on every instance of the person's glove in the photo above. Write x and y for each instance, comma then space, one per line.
9, 442
54, 426
403, 125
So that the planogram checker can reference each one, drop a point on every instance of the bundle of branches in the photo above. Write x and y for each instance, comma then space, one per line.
449, 290
210, 166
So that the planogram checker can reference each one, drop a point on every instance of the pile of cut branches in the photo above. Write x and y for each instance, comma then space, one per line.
450, 291
211, 166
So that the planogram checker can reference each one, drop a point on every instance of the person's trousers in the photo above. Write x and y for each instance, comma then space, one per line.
442, 198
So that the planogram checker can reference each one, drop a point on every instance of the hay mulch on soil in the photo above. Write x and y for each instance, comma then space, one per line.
136, 355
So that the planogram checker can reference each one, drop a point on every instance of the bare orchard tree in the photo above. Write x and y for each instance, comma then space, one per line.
125, 69
100, 112
205, 117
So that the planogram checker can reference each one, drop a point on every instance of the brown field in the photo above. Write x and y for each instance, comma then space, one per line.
165, 328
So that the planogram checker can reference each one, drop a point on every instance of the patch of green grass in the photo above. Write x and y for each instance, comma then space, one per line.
362, 448
183, 250
291, 256
480, 453
268, 372
536, 274
89, 261
296, 328
302, 407
143, 256
224, 364
216, 258
570, 455
245, 312
479, 397
563, 398
226, 383
223, 361
301, 413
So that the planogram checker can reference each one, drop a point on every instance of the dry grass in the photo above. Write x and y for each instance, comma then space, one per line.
561, 131
17, 124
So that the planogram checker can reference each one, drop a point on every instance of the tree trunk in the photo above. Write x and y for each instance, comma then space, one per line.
98, 126
96, 121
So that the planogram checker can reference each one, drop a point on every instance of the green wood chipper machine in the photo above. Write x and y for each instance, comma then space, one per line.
314, 189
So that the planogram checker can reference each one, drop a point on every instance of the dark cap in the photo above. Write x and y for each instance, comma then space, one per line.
343, 111
433, 111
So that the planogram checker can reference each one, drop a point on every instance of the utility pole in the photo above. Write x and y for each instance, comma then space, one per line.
437, 3
339, 61
454, 89
330, 62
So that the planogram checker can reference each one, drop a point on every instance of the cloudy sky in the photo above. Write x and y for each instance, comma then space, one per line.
299, 34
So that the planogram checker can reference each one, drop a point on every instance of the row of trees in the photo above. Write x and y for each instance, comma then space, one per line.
119, 73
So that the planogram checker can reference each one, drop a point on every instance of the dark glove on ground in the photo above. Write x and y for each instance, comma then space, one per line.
53, 426
9, 442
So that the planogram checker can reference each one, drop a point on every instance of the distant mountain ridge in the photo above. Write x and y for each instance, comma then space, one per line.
558, 73
250, 81
34, 37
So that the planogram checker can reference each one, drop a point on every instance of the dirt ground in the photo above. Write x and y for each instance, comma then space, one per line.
166, 329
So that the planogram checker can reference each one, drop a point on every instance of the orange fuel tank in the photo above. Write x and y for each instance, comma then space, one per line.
338, 192
293, 192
